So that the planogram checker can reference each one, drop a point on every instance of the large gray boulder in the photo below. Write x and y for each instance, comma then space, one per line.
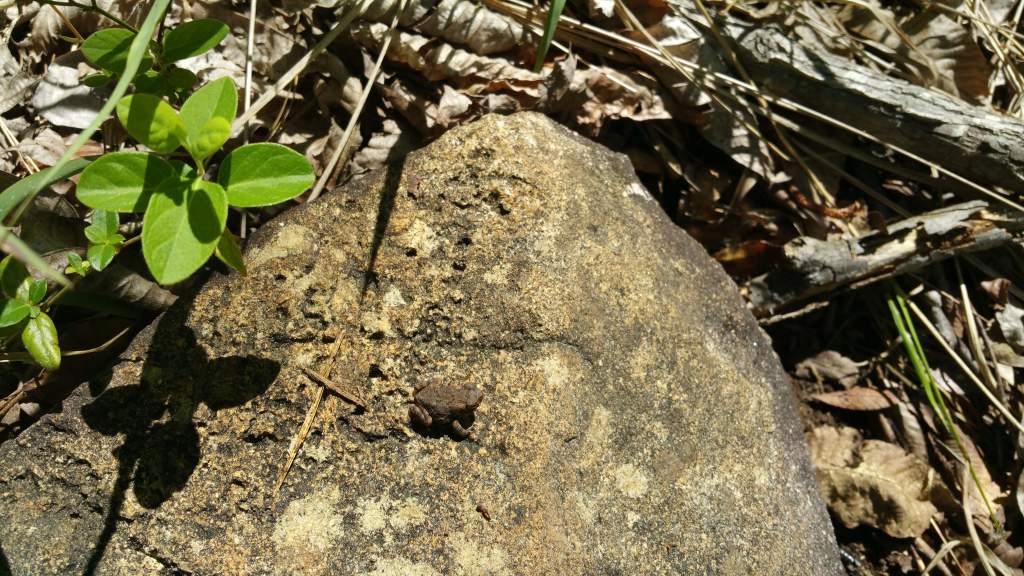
634, 418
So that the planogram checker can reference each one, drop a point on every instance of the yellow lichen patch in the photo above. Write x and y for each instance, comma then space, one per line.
497, 274
630, 481
419, 237
408, 514
554, 369
289, 241
372, 515
381, 513
304, 534
477, 559
400, 567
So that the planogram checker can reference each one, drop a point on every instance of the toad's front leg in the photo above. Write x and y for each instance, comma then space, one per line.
420, 416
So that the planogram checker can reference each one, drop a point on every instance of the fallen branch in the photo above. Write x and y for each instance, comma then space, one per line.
814, 268
976, 143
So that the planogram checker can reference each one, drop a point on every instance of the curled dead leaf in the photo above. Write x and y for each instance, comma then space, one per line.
858, 398
872, 483
829, 365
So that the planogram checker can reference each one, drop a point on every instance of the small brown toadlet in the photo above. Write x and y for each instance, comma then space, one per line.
442, 407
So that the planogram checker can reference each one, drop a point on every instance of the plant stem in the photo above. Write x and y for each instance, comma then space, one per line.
93, 7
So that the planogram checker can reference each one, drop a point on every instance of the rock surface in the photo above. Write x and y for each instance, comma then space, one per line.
634, 420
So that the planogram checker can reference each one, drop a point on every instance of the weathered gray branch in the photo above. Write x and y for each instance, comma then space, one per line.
815, 267
974, 142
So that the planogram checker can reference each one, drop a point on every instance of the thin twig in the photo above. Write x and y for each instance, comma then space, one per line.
23, 356
336, 387
340, 155
969, 520
94, 7
299, 66
249, 44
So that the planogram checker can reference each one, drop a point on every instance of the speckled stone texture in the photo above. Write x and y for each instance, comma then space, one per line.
635, 419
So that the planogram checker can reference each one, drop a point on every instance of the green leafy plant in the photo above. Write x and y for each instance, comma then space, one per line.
107, 50
185, 214
184, 210
20, 311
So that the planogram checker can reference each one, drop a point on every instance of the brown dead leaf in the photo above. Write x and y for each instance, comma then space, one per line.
1011, 325
933, 49
857, 398
599, 94
829, 365
997, 289
872, 483
392, 143
962, 70
461, 22
437, 60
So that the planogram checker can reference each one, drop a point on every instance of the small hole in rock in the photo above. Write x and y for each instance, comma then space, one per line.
459, 265
410, 252
375, 372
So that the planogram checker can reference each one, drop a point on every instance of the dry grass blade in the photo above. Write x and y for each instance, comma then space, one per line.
300, 438
978, 546
963, 366
973, 340
249, 45
293, 73
937, 559
344, 149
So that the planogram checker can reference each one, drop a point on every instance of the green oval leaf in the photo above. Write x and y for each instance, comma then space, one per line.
229, 253
108, 49
122, 181
107, 222
13, 276
212, 136
192, 39
264, 174
182, 227
37, 291
75, 265
218, 99
96, 80
152, 82
151, 121
13, 311
40, 339
101, 255
180, 78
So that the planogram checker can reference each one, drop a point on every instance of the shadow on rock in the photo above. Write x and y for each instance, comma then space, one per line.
161, 442
388, 194
5, 566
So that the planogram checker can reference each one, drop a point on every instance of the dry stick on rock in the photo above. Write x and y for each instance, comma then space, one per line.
816, 267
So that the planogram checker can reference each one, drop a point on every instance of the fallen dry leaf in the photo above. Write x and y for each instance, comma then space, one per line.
858, 398
62, 99
829, 366
873, 483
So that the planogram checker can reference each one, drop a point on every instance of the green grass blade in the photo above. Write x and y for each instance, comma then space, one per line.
912, 345
549, 32
16, 193
17, 248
